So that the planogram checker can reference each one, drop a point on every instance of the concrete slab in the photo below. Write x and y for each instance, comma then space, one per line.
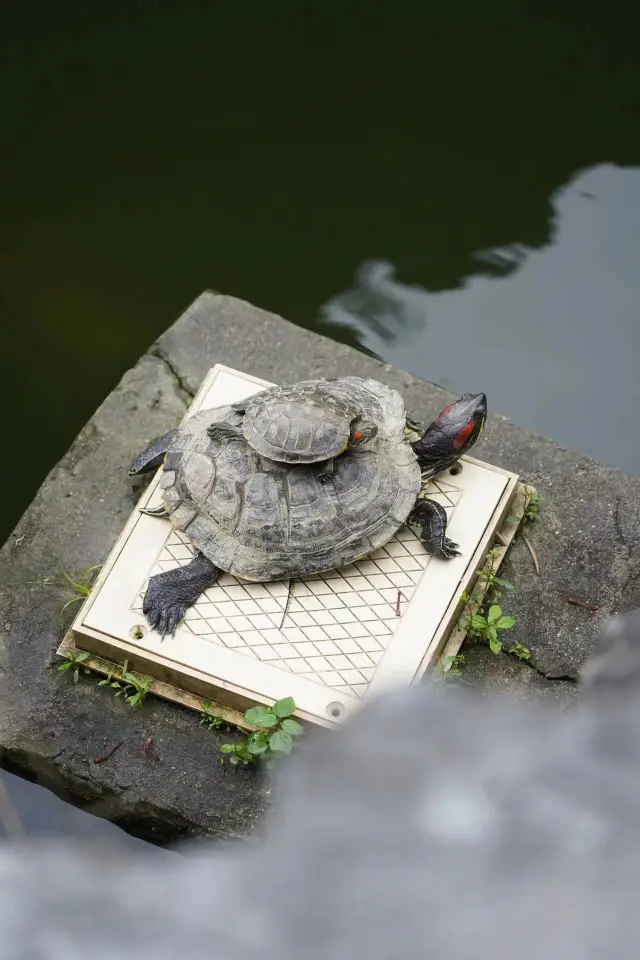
587, 544
495, 675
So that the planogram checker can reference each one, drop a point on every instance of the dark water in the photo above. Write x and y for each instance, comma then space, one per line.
485, 156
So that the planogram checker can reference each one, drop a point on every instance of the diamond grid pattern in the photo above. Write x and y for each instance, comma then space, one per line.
330, 628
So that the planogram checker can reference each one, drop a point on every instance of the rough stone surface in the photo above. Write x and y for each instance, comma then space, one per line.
588, 546
512, 834
493, 675
52, 729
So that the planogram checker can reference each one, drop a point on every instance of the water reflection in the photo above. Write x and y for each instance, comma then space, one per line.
553, 333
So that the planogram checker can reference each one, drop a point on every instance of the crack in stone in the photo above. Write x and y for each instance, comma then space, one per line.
559, 678
173, 370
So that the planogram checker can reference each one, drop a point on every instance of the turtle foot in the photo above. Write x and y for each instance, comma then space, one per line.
170, 594
449, 549
431, 517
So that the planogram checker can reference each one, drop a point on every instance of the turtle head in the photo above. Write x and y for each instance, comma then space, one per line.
361, 432
453, 433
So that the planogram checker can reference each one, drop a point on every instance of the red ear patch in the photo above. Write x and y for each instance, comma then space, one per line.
446, 409
464, 435
357, 435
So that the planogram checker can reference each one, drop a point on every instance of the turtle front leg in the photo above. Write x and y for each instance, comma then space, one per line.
431, 517
169, 594
326, 471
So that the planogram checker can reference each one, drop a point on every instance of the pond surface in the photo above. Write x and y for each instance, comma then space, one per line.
456, 190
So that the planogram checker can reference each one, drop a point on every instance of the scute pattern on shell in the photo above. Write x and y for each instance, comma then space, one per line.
307, 422
266, 520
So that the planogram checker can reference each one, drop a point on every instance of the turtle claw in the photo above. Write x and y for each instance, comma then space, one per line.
450, 549
163, 614
170, 594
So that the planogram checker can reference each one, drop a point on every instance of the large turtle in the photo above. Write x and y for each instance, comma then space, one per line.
312, 421
262, 519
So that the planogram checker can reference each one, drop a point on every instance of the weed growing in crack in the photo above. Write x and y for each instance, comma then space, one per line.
451, 665
487, 627
530, 509
133, 688
273, 739
211, 720
73, 661
489, 621
520, 651
80, 584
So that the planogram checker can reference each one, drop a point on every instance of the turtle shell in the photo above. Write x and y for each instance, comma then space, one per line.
264, 520
306, 422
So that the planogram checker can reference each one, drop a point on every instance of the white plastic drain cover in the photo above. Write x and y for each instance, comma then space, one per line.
327, 640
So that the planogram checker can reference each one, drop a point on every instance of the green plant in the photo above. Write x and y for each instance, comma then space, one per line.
530, 509
210, 719
451, 665
133, 688
520, 651
81, 584
486, 627
492, 583
73, 661
273, 738
485, 622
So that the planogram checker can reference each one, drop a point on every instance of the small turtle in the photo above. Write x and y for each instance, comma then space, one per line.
312, 421
262, 519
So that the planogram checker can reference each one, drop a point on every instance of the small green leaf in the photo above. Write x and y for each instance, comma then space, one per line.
233, 760
129, 677
478, 622
285, 707
257, 748
66, 666
504, 623
505, 584
115, 685
281, 742
261, 717
495, 612
228, 748
495, 644
81, 657
293, 727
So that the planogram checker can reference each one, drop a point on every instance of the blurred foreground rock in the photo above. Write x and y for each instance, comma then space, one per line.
436, 824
